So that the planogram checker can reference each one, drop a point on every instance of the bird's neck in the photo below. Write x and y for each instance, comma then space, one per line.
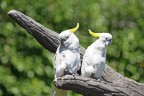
100, 44
72, 47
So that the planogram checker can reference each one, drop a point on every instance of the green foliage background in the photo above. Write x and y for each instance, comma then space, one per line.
26, 68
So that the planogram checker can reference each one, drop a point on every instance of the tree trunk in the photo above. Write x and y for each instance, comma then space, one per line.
119, 86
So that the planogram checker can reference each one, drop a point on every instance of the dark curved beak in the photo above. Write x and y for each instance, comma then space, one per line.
110, 41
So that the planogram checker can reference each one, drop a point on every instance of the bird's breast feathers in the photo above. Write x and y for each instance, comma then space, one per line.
97, 60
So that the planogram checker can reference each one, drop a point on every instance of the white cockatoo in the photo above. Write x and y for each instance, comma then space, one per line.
94, 59
67, 57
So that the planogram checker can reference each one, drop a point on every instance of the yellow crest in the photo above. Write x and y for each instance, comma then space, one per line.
74, 29
93, 34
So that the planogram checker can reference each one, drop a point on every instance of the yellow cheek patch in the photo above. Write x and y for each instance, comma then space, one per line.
93, 34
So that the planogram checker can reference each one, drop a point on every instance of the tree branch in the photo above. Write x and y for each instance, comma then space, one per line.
89, 86
120, 86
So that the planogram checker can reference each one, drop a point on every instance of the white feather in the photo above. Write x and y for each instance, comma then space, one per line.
94, 59
67, 55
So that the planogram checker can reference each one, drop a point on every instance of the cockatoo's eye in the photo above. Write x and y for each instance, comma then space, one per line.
106, 38
67, 37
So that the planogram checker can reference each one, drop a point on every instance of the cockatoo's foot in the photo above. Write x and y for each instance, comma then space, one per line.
77, 74
74, 76
66, 72
58, 78
103, 80
55, 80
99, 79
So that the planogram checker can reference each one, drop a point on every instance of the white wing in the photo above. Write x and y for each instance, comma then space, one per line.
59, 63
72, 61
87, 68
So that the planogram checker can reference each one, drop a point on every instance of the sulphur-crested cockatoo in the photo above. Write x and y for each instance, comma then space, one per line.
67, 57
94, 59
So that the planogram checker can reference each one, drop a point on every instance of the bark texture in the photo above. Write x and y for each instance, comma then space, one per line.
120, 86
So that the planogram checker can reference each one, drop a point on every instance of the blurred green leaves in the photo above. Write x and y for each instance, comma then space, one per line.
26, 68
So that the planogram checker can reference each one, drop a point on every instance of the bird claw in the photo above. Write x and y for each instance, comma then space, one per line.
99, 79
66, 72
77, 74
74, 76
103, 80
55, 80
58, 78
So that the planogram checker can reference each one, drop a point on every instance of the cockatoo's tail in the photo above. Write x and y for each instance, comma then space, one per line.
93, 34
74, 29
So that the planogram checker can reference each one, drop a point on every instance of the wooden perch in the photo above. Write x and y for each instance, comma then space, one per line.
120, 86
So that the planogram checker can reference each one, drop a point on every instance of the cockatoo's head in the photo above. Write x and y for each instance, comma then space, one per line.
104, 37
67, 37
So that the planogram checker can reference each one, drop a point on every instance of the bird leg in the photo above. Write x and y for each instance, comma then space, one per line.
99, 79
56, 78
66, 72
